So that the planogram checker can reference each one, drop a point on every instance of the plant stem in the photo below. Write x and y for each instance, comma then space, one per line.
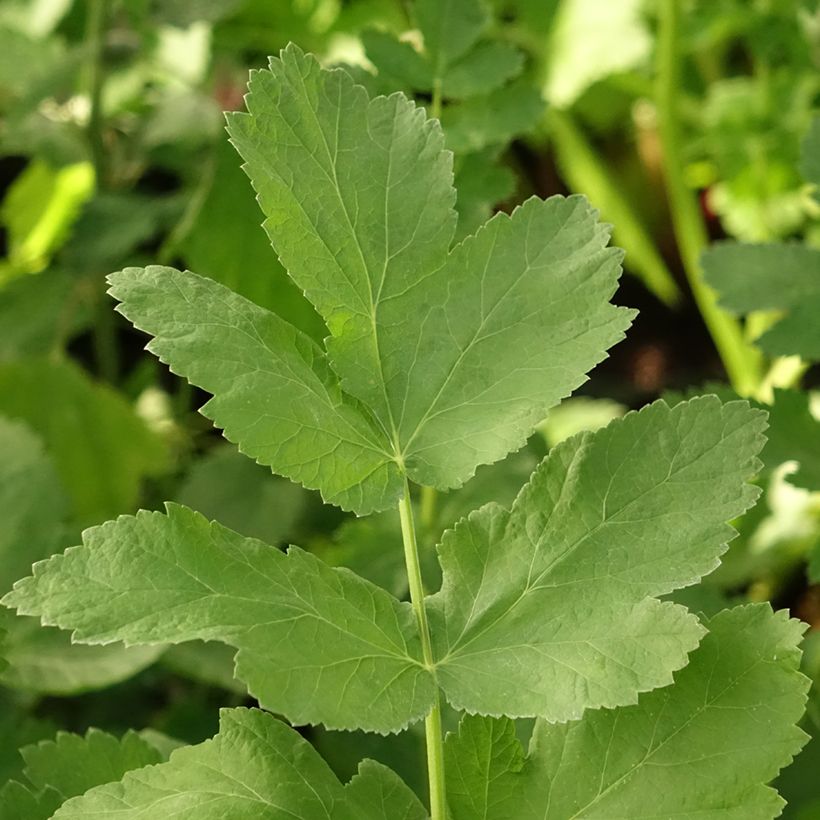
586, 173
432, 724
743, 362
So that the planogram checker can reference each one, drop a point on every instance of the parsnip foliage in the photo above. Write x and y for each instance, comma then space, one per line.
440, 357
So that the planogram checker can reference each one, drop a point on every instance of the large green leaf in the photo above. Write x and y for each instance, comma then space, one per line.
471, 345
550, 609
256, 768
704, 747
317, 644
782, 277
101, 449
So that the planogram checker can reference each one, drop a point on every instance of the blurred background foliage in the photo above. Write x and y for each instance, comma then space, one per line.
684, 122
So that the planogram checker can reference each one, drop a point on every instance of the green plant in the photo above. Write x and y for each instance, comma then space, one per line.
439, 359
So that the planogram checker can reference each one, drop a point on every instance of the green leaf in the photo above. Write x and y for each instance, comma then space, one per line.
483, 69
100, 448
57, 770
398, 63
73, 764
472, 345
450, 28
493, 119
548, 609
316, 644
481, 761
704, 747
256, 768
782, 277
289, 414
378, 793
20, 803
355, 228
227, 244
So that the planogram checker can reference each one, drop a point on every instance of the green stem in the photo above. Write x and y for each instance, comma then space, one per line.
588, 174
743, 363
432, 725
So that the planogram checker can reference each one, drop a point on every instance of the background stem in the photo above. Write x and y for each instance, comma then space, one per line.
743, 363
432, 724
588, 174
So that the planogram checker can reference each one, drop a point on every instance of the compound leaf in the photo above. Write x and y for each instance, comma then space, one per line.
470, 345
274, 393
256, 768
316, 644
548, 609
704, 747
783, 277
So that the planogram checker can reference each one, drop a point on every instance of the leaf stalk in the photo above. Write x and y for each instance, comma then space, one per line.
743, 363
432, 723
